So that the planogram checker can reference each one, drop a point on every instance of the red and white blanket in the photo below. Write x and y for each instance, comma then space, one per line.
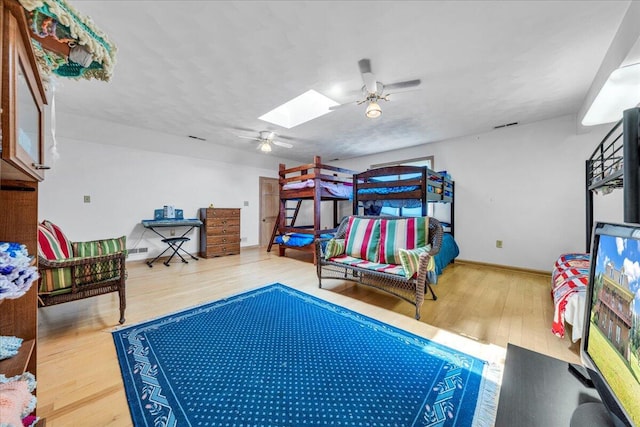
568, 288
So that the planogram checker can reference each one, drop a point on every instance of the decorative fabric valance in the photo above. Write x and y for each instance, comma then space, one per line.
66, 43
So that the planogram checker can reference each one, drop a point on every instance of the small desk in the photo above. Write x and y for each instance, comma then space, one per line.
538, 390
174, 244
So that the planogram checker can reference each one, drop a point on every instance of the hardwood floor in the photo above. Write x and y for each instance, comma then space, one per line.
479, 310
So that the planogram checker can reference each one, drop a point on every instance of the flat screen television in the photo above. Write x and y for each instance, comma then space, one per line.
610, 347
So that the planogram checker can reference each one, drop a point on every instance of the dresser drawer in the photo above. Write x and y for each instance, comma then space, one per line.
218, 223
223, 249
222, 231
222, 213
223, 240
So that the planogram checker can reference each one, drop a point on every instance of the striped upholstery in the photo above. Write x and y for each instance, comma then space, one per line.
55, 280
406, 233
48, 245
87, 249
363, 238
374, 266
65, 243
410, 259
334, 247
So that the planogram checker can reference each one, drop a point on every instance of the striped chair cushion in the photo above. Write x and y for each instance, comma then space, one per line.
410, 259
65, 243
398, 234
48, 245
363, 237
55, 280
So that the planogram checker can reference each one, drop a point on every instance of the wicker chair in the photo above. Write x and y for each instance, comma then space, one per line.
89, 273
411, 290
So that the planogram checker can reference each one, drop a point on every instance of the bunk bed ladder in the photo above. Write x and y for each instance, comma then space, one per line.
287, 217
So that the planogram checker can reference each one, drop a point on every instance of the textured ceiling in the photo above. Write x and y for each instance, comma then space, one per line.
209, 69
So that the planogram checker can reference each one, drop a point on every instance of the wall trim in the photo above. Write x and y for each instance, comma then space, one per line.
504, 267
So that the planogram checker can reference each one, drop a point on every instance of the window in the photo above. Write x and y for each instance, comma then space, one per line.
618, 334
417, 211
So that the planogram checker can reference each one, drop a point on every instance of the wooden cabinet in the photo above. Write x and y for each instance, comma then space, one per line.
23, 100
220, 232
22, 136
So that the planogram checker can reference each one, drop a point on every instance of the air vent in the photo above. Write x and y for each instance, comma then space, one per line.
197, 137
505, 125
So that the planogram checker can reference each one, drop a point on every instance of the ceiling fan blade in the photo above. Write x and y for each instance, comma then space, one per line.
338, 107
248, 137
282, 144
401, 85
365, 66
370, 82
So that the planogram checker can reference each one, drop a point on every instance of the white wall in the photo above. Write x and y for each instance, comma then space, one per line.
523, 185
128, 172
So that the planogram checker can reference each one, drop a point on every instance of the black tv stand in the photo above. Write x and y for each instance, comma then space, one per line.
581, 374
538, 390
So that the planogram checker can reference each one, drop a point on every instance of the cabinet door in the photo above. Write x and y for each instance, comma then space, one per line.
23, 107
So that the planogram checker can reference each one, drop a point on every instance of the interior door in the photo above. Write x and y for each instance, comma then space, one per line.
269, 208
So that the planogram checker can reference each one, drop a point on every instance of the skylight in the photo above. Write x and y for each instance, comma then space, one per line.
301, 109
620, 92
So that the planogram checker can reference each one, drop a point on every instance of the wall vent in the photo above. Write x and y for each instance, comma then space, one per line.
505, 125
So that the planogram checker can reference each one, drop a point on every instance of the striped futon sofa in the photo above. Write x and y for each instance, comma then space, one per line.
394, 254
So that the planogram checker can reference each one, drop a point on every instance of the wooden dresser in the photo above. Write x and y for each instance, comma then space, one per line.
220, 232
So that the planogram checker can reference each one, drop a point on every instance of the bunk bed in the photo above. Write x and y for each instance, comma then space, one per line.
408, 187
614, 164
317, 183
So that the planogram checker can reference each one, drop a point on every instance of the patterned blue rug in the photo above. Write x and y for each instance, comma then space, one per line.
275, 356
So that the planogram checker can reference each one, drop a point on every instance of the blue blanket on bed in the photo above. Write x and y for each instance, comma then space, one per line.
448, 251
298, 239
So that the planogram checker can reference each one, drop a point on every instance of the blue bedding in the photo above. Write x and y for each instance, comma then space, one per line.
448, 251
388, 190
298, 239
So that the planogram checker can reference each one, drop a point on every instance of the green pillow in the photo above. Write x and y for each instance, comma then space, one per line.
410, 259
334, 248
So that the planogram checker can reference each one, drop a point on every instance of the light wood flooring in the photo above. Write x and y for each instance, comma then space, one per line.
479, 310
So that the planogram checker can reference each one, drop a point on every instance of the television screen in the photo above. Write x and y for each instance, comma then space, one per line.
611, 340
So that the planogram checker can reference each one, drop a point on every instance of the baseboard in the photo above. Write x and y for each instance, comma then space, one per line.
504, 267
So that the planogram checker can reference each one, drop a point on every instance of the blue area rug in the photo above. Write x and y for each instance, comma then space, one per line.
275, 356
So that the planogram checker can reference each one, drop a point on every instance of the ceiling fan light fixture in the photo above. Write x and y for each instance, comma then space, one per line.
265, 147
373, 110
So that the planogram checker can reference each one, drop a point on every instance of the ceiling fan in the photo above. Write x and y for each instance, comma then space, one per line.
373, 90
265, 139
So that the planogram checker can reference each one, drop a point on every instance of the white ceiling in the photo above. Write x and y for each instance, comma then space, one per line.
209, 69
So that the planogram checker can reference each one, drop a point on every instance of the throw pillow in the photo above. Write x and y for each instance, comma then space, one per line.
363, 238
65, 243
406, 233
48, 246
334, 248
410, 259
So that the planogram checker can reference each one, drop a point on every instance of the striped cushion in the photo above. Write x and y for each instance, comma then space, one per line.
65, 244
398, 234
87, 249
363, 237
48, 246
410, 259
334, 247
55, 280
112, 246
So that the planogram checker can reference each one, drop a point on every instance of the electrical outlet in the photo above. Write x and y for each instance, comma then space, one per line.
499, 244
173, 232
246, 203
87, 199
